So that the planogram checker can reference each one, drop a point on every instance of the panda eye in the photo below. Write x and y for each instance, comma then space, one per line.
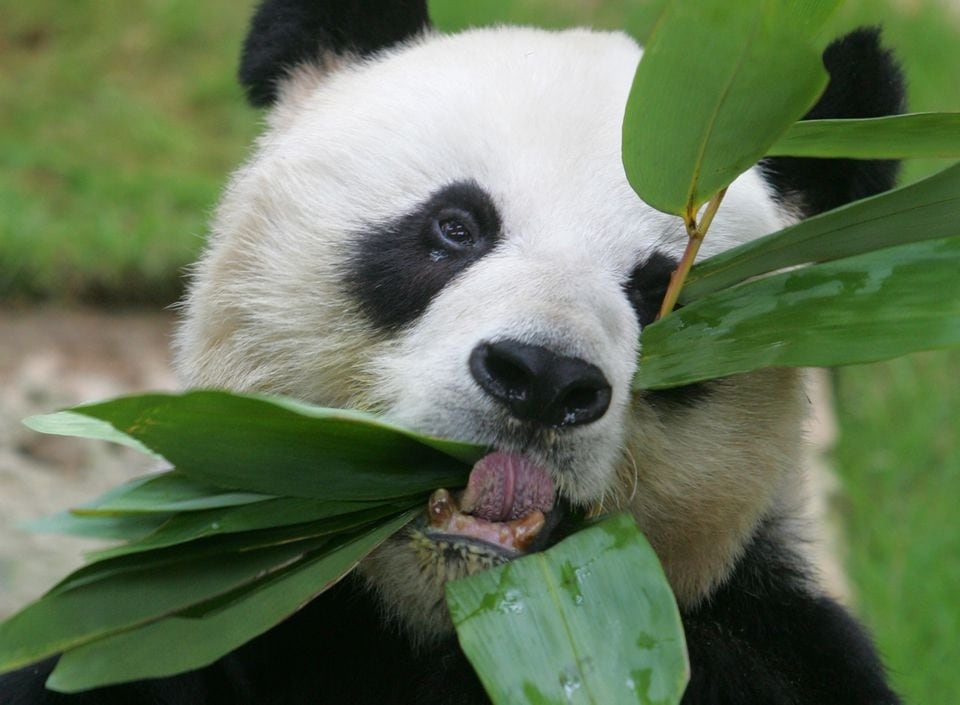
454, 231
396, 267
647, 285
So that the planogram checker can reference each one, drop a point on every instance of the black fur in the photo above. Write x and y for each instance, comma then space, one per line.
395, 269
648, 285
645, 289
285, 33
865, 81
764, 638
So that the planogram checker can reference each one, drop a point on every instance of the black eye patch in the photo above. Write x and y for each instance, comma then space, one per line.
395, 269
648, 284
645, 289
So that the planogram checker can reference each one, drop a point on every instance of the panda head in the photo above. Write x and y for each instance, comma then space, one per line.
437, 228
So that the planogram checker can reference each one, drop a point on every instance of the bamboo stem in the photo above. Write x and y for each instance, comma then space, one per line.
695, 234
711, 210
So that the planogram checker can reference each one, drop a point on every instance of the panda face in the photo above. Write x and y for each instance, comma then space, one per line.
442, 233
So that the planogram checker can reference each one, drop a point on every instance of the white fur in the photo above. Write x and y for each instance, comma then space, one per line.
534, 118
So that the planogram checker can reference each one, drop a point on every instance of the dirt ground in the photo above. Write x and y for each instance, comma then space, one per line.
50, 359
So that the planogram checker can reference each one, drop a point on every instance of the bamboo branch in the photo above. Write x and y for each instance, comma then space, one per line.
695, 234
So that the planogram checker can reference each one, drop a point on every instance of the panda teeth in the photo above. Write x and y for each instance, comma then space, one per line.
441, 508
526, 529
446, 518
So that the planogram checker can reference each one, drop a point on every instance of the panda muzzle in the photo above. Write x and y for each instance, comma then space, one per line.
504, 503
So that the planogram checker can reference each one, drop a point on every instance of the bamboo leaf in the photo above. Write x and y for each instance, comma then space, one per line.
693, 122
926, 210
69, 423
315, 517
145, 652
465, 452
276, 447
110, 528
165, 493
591, 620
894, 137
212, 547
860, 309
65, 619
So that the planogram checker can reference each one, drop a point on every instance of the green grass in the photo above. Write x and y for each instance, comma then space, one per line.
121, 120
899, 457
125, 120
898, 454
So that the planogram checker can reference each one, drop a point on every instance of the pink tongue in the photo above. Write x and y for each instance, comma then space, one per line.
506, 486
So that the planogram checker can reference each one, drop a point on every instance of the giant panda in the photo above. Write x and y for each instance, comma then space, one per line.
437, 228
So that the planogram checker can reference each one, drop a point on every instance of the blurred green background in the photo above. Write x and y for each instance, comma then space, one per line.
120, 120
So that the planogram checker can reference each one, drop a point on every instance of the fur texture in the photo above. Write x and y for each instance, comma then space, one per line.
284, 35
271, 309
865, 82
418, 195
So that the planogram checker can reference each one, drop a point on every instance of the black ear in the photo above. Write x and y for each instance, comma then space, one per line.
865, 81
285, 33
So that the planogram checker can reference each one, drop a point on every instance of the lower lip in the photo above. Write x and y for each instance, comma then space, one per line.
490, 549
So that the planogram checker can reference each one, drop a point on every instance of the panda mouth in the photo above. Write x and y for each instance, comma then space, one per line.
503, 507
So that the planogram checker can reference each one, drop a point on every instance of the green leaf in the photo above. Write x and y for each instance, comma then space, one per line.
895, 137
314, 516
640, 18
810, 18
464, 452
693, 120
926, 210
125, 528
591, 620
213, 546
165, 493
277, 447
860, 309
66, 618
69, 423
146, 652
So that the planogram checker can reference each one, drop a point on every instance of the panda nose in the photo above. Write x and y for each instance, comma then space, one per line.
538, 385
